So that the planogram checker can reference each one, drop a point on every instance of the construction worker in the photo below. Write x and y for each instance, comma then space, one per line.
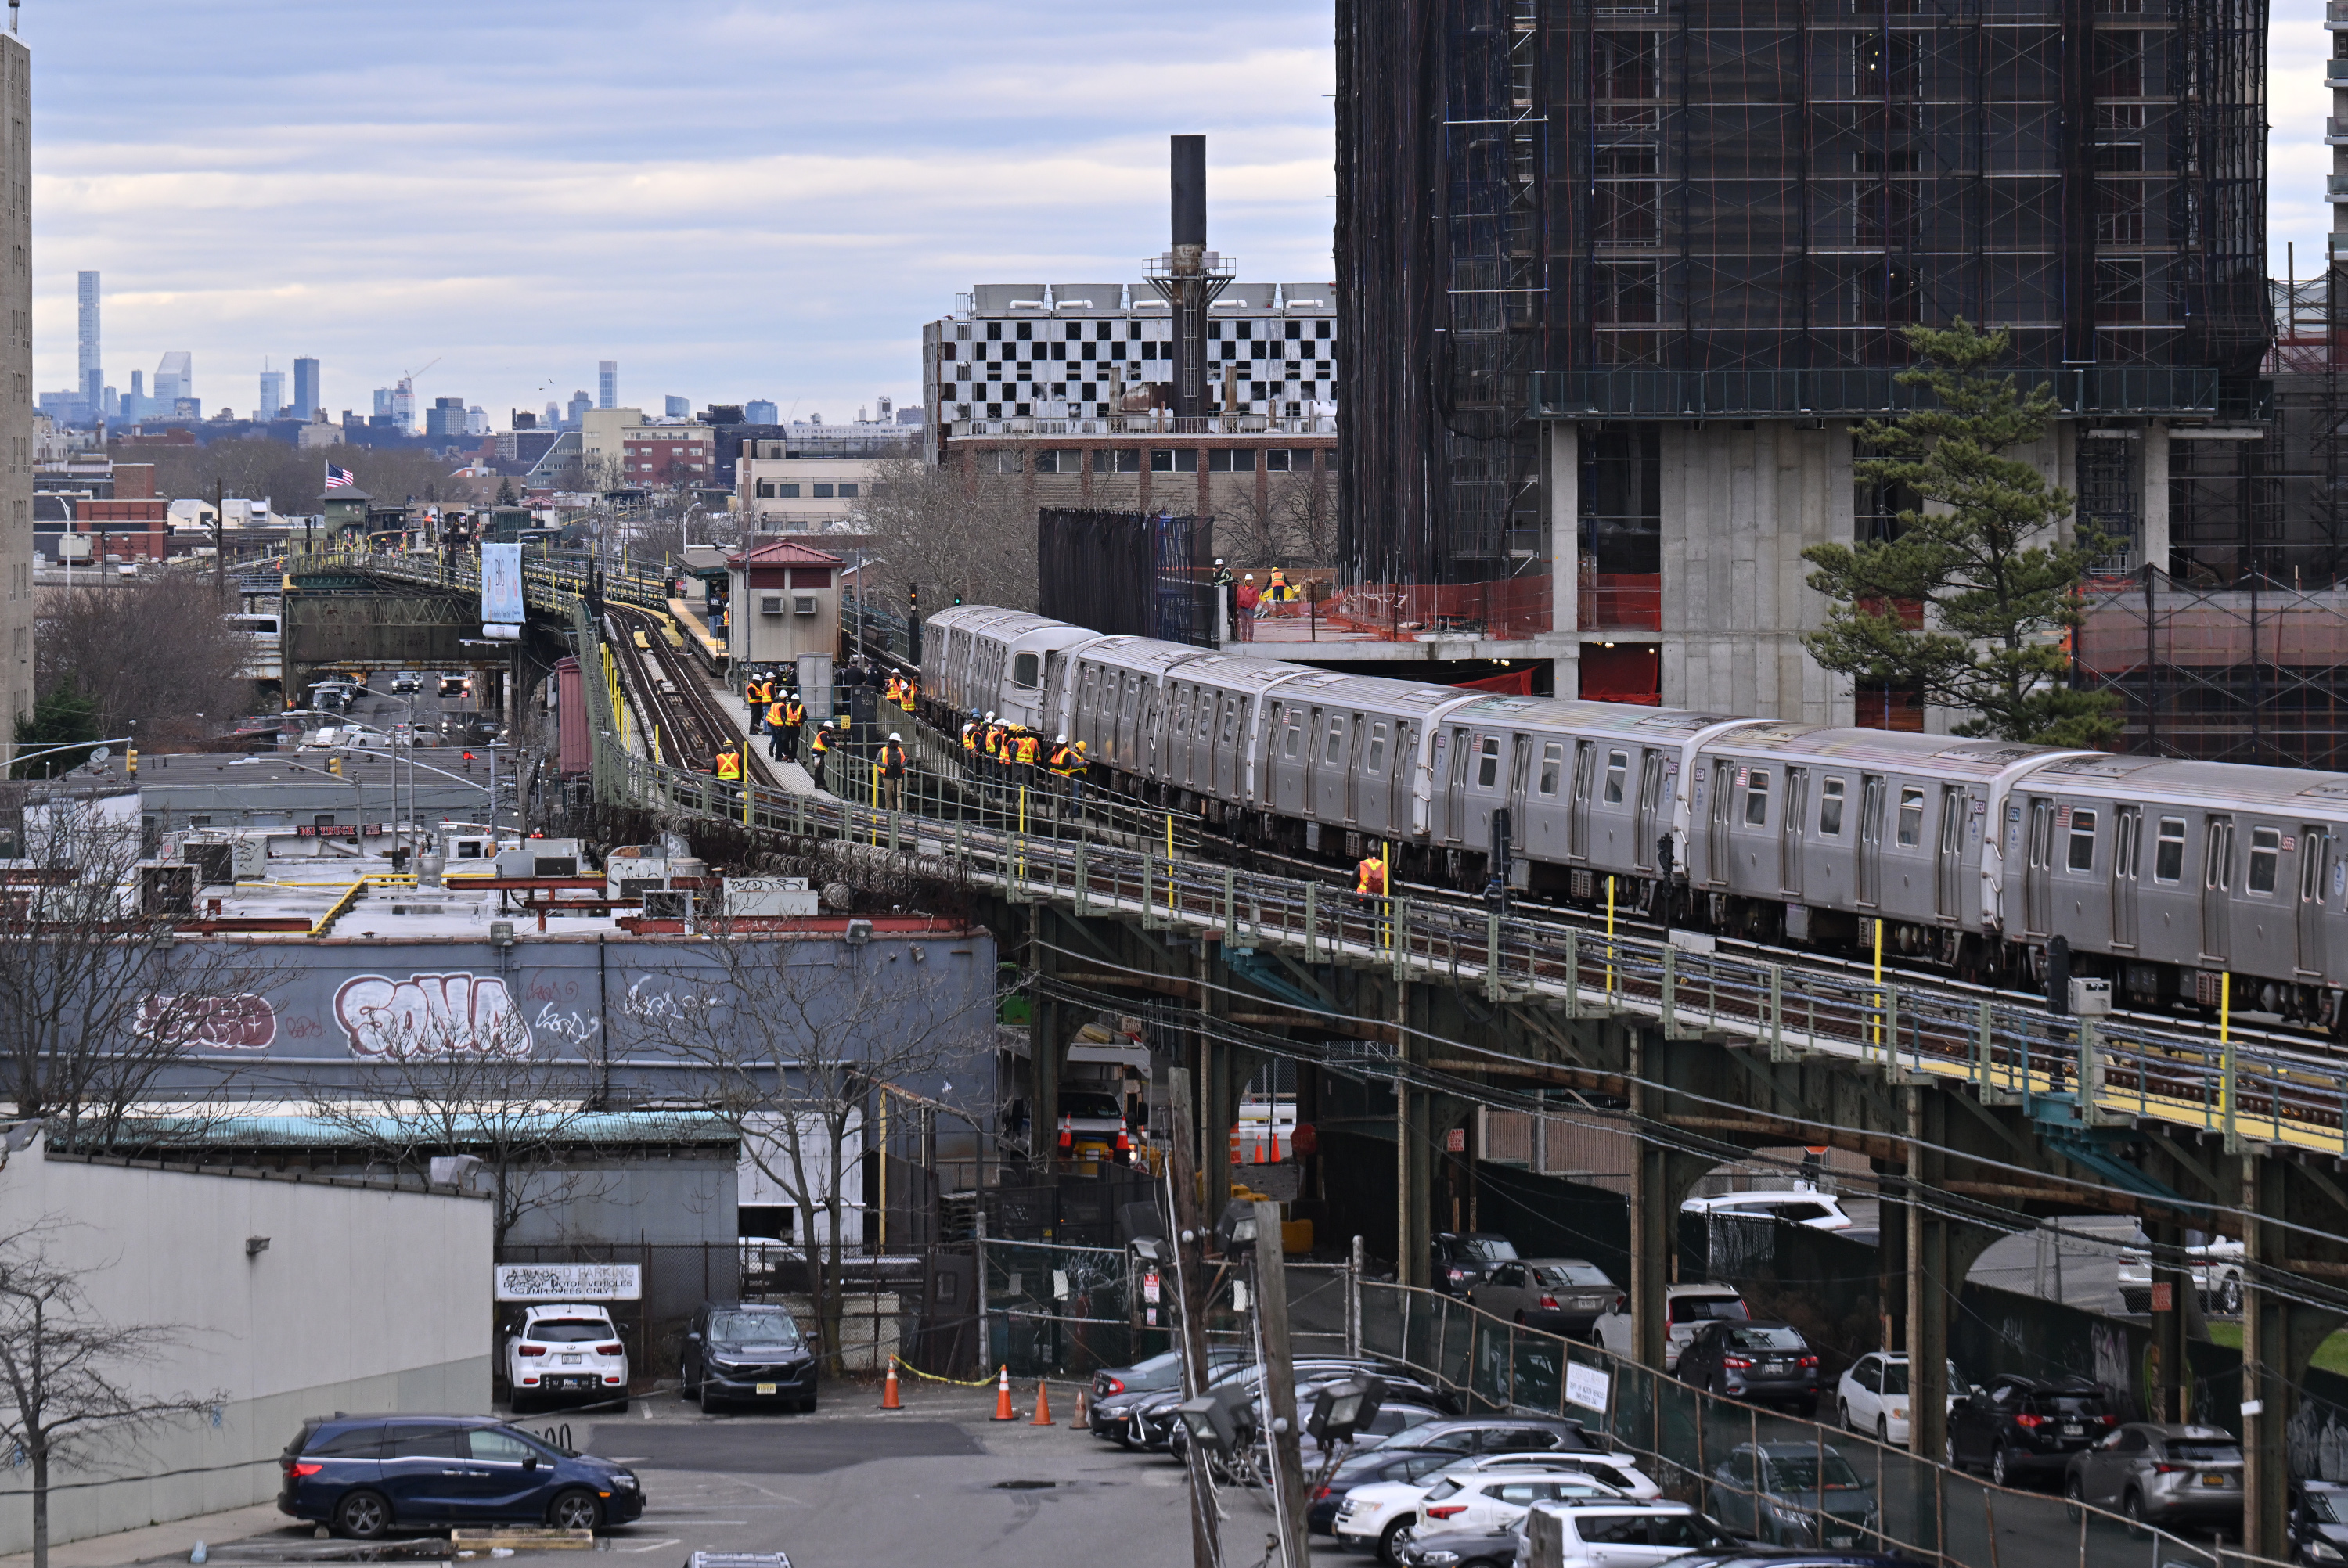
819, 749
1250, 598
1279, 592
892, 773
776, 713
889, 690
729, 763
758, 691
1371, 879
1029, 748
1062, 760
969, 735
990, 738
909, 691
794, 722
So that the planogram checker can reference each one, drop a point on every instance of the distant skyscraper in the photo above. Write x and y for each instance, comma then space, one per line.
93, 377
553, 420
678, 407
607, 383
580, 404
307, 399
382, 396
445, 417
759, 411
272, 395
403, 406
175, 378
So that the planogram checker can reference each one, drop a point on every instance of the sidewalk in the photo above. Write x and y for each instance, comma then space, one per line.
153, 1542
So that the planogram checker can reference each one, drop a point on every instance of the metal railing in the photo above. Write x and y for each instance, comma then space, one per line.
2254, 1091
1701, 1448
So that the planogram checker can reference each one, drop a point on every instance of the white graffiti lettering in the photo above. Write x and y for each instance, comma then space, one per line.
427, 1016
572, 1027
242, 1023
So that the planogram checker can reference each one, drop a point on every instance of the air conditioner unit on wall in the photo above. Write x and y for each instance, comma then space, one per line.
770, 604
804, 605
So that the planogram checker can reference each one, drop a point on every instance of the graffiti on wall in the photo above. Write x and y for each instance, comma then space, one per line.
430, 1016
242, 1023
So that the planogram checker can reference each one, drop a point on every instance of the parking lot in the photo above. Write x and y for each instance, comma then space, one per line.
938, 1482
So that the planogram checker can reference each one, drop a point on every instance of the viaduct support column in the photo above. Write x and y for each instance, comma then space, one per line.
2267, 1366
1044, 1046
1413, 1161
1661, 1180
2170, 1394
1218, 1097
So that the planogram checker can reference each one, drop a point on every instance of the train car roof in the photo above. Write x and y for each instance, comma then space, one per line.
1940, 755
1143, 654
2198, 783
1583, 716
1236, 673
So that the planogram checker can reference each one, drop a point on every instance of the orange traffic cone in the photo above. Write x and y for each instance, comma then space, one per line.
1083, 1417
888, 1390
1043, 1404
1002, 1411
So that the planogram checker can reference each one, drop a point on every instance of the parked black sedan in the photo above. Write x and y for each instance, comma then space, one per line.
1761, 1363
2023, 1426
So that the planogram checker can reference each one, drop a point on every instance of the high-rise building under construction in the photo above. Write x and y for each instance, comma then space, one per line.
1616, 276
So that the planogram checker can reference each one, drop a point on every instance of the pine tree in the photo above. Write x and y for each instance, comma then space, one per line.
61, 716
1980, 552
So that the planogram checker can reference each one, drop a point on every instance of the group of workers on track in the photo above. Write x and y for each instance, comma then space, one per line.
1014, 746
778, 708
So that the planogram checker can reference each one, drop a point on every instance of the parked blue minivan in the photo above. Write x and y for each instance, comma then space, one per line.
365, 1475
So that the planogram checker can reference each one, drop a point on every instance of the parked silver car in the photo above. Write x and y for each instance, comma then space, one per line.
1560, 1295
2156, 1474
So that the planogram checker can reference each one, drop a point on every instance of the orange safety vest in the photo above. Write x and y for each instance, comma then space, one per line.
794, 714
761, 691
1064, 759
1028, 746
892, 689
729, 763
907, 693
822, 742
1373, 879
892, 761
970, 737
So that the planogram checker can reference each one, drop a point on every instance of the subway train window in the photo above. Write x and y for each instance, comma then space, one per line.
1552, 764
1488, 765
1911, 817
1830, 809
2082, 841
1757, 799
1377, 750
2266, 852
1618, 768
2168, 856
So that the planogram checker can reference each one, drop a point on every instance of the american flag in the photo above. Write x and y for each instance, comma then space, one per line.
338, 477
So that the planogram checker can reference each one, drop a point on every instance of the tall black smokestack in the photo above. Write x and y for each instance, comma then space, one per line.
1189, 192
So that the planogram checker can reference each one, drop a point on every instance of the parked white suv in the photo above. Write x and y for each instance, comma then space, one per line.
2216, 1269
1686, 1308
1796, 1205
570, 1353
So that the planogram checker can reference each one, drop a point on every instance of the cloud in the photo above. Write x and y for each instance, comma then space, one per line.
732, 200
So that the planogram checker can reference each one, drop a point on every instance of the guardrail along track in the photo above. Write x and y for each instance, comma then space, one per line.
2265, 1091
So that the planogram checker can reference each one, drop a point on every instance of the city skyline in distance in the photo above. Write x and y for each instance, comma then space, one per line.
591, 183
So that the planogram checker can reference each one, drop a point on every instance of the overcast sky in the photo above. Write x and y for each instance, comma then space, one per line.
732, 201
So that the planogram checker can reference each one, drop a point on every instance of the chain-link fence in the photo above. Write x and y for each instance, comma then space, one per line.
1773, 1477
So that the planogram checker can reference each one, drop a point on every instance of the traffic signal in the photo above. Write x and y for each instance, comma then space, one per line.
957, 599
913, 599
130, 760
335, 766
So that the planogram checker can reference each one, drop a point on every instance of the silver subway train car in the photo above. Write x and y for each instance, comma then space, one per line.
2163, 875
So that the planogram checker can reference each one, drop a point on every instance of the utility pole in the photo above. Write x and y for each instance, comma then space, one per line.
220, 540
1190, 1296
1280, 1386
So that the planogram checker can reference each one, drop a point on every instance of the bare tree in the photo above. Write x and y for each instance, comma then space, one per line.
1303, 504
293, 479
437, 1094
102, 1010
157, 655
71, 1375
956, 529
789, 1050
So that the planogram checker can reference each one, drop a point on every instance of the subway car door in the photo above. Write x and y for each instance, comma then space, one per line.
2038, 869
2217, 885
1871, 839
1651, 775
1790, 818
1577, 843
2128, 852
1354, 764
2315, 852
1456, 792
1947, 870
1519, 773
1715, 838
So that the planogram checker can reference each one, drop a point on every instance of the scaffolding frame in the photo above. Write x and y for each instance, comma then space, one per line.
1683, 210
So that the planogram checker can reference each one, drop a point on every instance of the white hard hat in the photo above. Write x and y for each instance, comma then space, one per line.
989, 712
1062, 739
895, 736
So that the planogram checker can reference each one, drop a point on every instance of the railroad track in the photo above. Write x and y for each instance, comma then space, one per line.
670, 691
